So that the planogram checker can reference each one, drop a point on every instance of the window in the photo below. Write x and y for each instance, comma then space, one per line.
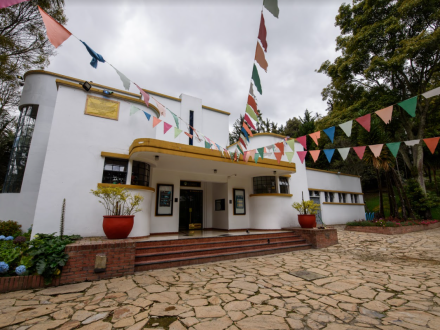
354, 198
265, 185
329, 197
20, 149
191, 124
341, 198
313, 193
284, 185
140, 174
115, 171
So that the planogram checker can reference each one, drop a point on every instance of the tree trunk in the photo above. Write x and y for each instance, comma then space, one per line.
404, 199
435, 180
429, 172
379, 184
391, 197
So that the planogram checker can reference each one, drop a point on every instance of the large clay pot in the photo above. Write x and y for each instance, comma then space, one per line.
117, 226
307, 220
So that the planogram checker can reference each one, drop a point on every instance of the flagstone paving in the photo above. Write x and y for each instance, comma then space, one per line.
367, 281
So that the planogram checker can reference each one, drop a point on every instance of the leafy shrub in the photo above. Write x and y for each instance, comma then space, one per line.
10, 228
420, 202
390, 222
20, 240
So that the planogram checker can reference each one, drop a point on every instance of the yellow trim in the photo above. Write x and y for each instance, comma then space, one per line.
286, 176
170, 148
274, 195
126, 186
162, 95
262, 134
315, 169
337, 191
114, 155
99, 91
344, 203
216, 110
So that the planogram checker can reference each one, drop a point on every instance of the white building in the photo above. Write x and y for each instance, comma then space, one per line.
67, 146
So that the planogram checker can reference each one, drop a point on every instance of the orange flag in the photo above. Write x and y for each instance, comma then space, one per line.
278, 156
156, 121
260, 58
376, 149
56, 33
315, 136
431, 143
247, 129
253, 104
315, 154
385, 114
280, 145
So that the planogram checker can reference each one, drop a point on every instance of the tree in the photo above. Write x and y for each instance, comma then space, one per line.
390, 53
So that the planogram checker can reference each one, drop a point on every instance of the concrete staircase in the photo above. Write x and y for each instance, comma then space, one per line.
191, 251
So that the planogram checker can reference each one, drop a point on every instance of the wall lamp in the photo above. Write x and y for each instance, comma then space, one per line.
156, 158
86, 86
107, 92
274, 172
215, 171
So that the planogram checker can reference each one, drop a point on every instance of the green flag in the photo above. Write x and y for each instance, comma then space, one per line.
239, 149
177, 132
256, 157
291, 144
207, 145
409, 106
176, 119
289, 155
394, 148
272, 6
133, 110
256, 79
261, 152
251, 112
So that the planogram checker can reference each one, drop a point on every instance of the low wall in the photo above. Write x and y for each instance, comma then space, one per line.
318, 238
392, 230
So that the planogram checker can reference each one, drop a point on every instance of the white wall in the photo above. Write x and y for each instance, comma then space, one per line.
220, 218
239, 221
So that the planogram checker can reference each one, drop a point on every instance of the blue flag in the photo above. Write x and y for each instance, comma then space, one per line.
245, 133
147, 115
329, 153
96, 57
330, 132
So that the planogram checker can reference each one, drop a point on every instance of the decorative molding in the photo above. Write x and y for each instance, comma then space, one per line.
337, 191
272, 195
344, 203
126, 186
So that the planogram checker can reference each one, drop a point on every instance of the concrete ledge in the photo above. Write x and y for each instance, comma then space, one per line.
318, 238
392, 230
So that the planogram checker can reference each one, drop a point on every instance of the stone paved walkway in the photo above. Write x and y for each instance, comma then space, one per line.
366, 281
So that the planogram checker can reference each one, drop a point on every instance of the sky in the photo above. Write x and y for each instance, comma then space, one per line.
206, 49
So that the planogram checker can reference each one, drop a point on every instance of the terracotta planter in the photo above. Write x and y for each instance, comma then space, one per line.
307, 220
117, 226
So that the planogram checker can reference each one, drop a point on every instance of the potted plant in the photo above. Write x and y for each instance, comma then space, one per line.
307, 213
120, 207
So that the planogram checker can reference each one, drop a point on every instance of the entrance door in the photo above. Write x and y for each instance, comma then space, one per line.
191, 209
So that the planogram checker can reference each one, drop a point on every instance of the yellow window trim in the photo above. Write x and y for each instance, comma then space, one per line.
215, 110
272, 195
337, 191
114, 155
317, 170
126, 186
343, 203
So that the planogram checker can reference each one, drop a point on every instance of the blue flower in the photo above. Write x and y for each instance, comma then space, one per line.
4, 267
2, 237
9, 238
20, 270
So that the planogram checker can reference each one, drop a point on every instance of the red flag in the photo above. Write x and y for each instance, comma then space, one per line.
302, 155
431, 143
253, 104
303, 141
315, 154
280, 145
359, 151
56, 33
145, 95
262, 33
8, 3
278, 156
242, 142
249, 121
365, 121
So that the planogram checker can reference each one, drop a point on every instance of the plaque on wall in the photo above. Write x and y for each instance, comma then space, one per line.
100, 107
164, 199
239, 202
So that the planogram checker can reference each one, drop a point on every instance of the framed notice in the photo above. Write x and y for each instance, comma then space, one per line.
239, 202
164, 199
100, 107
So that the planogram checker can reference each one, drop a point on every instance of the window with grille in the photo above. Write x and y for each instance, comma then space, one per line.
342, 198
354, 198
115, 171
284, 185
140, 174
265, 185
329, 196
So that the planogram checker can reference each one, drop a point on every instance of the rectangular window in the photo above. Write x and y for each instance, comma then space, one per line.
115, 171
191, 123
342, 198
140, 174
284, 185
265, 185
354, 198
329, 197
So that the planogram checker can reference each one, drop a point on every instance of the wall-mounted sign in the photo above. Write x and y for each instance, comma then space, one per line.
100, 107
192, 184
239, 202
164, 198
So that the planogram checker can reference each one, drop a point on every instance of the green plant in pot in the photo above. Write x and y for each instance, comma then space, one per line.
307, 213
120, 207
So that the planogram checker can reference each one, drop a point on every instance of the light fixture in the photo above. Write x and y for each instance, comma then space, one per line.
156, 158
107, 92
20, 77
274, 172
215, 171
86, 86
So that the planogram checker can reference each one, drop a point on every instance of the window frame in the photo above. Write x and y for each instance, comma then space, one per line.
284, 185
125, 161
147, 170
259, 181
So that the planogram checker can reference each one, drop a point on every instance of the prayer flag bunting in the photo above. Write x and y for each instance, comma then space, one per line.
256, 79
218, 147
280, 146
343, 152
346, 127
252, 153
161, 107
376, 149
365, 121
329, 154
261, 152
260, 58
303, 141
385, 114
145, 95
247, 129
166, 127
251, 112
409, 106
412, 143
176, 119
8, 3
177, 132
262, 33
133, 110
315, 136
207, 145
291, 144
249, 121
278, 156
330, 133
189, 135
95, 56
394, 148
156, 121
272, 7
56, 33
239, 149
431, 143
242, 142
251, 90
124, 79
302, 155
245, 133
256, 157
147, 115
359, 151
431, 93
253, 104
289, 155
315, 154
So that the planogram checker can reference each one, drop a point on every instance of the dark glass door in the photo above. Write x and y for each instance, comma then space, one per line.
191, 209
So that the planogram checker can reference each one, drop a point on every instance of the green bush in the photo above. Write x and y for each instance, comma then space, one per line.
10, 228
420, 202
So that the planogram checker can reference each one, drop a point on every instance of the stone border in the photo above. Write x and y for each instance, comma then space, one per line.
392, 230
318, 238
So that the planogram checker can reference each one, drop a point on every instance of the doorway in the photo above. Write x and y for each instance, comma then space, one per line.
191, 209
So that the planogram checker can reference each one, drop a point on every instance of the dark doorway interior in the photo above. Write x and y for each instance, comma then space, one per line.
191, 209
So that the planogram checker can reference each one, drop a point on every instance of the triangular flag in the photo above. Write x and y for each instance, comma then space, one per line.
376, 149
278, 156
256, 79
247, 129
260, 57
261, 152
251, 90
272, 6
253, 104
176, 119
365, 121
56, 33
218, 147
394, 148
8, 3
249, 121
124, 79
239, 149
412, 143
166, 127
156, 121
133, 110
359, 151
315, 154
302, 155
315, 136
145, 95
242, 142
431, 93
252, 153
330, 133
161, 108
256, 158
251, 112
344, 152
189, 135
329, 154
207, 145
280, 146
385, 114
291, 144
346, 127
177, 132
245, 134
262, 33
289, 155
409, 106
431, 143
95, 56
147, 115
303, 141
